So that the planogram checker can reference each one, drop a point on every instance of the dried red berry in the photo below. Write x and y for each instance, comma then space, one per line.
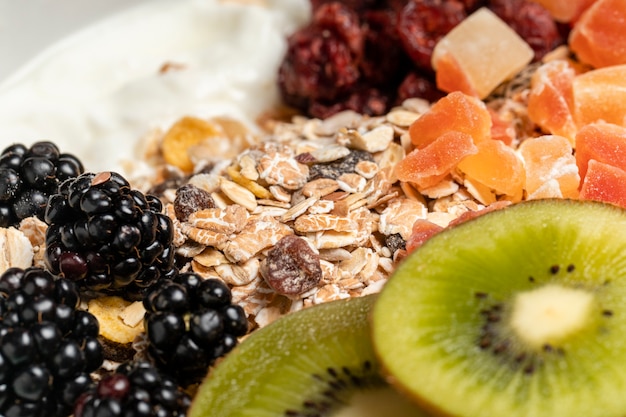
384, 61
532, 22
423, 23
343, 22
365, 100
318, 66
418, 85
291, 267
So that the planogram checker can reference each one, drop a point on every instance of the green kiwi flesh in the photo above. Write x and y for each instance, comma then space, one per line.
315, 362
519, 312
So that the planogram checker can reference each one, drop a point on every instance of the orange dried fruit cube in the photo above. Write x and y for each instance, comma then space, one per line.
451, 77
183, 136
483, 51
496, 166
565, 10
600, 95
454, 112
426, 167
599, 37
604, 182
602, 142
550, 166
501, 129
551, 98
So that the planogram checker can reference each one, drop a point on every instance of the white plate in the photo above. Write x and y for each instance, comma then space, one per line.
97, 91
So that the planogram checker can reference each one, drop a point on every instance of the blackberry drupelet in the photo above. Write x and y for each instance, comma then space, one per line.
135, 389
28, 176
48, 347
108, 237
190, 322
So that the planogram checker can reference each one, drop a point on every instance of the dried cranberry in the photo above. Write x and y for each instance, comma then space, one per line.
366, 100
423, 23
291, 267
357, 5
384, 61
472, 5
418, 85
532, 22
318, 66
343, 22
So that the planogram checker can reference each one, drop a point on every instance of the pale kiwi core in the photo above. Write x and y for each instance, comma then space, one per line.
550, 314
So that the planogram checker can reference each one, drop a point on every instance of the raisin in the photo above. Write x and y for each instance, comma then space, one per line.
291, 267
190, 199
532, 22
335, 169
395, 242
423, 23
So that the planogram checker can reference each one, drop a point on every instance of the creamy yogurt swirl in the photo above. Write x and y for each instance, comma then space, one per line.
98, 91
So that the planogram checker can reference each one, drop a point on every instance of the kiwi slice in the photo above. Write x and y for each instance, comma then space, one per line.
520, 312
315, 362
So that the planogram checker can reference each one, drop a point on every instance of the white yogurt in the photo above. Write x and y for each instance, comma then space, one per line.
99, 91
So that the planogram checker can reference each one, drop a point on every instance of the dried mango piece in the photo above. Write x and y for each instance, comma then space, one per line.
483, 50
426, 167
599, 37
600, 95
183, 135
497, 167
604, 182
454, 112
551, 98
550, 166
602, 142
565, 10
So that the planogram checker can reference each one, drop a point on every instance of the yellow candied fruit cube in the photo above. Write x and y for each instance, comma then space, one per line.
484, 51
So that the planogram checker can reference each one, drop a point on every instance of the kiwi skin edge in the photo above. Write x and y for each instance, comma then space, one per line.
267, 372
436, 300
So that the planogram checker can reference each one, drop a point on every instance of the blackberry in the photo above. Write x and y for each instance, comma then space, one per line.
107, 236
135, 389
48, 347
190, 322
28, 176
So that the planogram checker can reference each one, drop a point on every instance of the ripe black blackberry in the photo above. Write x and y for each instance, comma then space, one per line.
28, 176
135, 389
190, 322
48, 347
108, 237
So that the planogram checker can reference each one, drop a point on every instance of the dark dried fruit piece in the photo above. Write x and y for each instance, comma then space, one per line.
190, 199
291, 267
